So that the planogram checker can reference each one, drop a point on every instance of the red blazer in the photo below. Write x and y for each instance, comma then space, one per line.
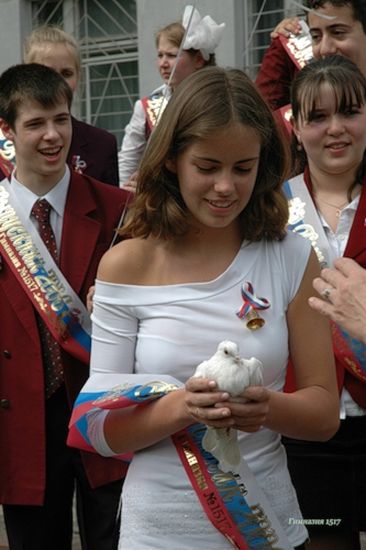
275, 75
92, 212
97, 148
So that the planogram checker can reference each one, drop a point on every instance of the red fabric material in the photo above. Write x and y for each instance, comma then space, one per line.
97, 148
92, 213
356, 388
275, 75
51, 352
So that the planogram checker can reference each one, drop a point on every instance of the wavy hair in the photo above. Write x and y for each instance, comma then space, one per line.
205, 102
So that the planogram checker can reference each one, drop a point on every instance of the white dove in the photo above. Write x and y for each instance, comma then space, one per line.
232, 374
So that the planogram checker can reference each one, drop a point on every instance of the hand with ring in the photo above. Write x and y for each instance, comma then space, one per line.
343, 290
326, 293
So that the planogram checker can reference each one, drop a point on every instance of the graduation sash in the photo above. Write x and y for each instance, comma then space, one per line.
234, 503
34, 268
154, 106
304, 219
7, 155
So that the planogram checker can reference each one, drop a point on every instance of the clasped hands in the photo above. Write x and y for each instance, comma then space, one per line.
206, 404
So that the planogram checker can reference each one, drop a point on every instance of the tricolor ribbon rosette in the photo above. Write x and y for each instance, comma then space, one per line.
250, 307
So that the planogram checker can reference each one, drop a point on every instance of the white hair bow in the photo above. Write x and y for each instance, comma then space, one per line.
202, 34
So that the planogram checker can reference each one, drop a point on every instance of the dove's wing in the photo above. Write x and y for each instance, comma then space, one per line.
201, 370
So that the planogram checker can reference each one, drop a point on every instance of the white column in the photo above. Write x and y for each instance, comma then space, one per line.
15, 24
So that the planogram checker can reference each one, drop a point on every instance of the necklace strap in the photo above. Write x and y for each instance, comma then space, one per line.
337, 207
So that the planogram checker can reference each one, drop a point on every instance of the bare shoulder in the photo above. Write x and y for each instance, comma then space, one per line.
124, 262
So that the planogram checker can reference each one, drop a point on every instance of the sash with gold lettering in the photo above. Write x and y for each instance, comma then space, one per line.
154, 105
304, 219
33, 266
234, 503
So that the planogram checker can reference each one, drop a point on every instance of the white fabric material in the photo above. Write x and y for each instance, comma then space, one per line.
170, 330
203, 34
338, 241
96, 434
56, 198
134, 141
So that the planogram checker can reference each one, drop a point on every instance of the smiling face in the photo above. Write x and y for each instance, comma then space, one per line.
42, 138
217, 175
342, 34
187, 64
334, 139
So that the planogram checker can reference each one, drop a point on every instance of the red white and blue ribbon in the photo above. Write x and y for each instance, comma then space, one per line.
250, 301
234, 503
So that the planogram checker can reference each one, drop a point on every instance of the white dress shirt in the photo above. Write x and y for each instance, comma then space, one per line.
56, 198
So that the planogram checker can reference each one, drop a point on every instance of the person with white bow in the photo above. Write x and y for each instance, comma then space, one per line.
200, 37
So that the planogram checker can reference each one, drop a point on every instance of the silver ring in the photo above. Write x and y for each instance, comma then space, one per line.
326, 293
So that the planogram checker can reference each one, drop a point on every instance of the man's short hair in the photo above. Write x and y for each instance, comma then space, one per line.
34, 82
358, 8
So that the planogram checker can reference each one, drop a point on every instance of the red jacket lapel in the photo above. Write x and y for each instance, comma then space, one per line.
80, 232
356, 245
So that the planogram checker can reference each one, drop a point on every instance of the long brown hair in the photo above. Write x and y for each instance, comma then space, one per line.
208, 100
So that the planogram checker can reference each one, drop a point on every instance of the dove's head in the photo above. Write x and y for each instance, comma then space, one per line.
229, 349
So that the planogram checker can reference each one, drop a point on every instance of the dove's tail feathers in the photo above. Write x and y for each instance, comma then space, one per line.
231, 451
222, 443
210, 440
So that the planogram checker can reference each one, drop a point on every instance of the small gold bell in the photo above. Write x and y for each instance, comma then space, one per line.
254, 321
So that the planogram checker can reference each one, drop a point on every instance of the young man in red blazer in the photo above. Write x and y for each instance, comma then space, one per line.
37, 470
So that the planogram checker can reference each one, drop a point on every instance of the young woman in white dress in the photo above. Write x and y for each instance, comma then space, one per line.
208, 218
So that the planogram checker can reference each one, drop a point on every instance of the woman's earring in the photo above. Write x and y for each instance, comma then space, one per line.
299, 146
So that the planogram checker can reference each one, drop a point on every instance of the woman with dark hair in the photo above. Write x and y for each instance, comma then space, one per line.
208, 253
328, 206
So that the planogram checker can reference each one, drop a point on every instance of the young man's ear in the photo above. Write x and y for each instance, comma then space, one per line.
6, 130
171, 165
